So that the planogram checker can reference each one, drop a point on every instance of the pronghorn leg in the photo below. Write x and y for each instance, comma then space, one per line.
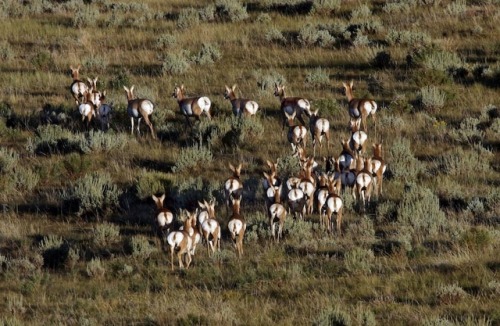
139, 126
150, 125
172, 257
132, 125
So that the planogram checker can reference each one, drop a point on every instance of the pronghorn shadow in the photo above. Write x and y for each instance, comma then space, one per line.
300, 8
156, 165
386, 247
151, 70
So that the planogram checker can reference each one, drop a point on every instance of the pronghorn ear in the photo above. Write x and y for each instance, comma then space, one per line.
182, 86
266, 175
231, 167
154, 198
162, 198
132, 89
233, 88
126, 89
89, 80
78, 68
351, 83
239, 167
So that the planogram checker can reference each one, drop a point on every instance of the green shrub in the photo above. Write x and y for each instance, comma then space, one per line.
464, 164
408, 38
23, 179
85, 16
288, 166
230, 10
403, 164
6, 52
175, 63
104, 234
43, 60
192, 156
51, 242
263, 18
325, 7
431, 98
188, 17
399, 7
93, 193
208, 54
318, 78
140, 247
274, 35
419, 210
450, 294
468, 132
456, 8
95, 63
166, 41
98, 141
359, 261
149, 183
55, 139
363, 12
266, 81
207, 13
314, 35
8, 159
95, 268
361, 40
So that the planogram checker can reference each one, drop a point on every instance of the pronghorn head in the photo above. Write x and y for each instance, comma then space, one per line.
178, 92
129, 92
229, 93
279, 90
377, 150
290, 118
93, 83
236, 201
348, 88
159, 201
75, 72
209, 207
236, 170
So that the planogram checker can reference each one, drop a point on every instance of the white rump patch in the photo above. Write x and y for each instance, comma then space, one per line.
235, 226
204, 103
251, 107
165, 218
295, 194
304, 104
148, 107
360, 137
85, 109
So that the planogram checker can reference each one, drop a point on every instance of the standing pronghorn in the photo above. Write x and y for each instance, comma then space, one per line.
358, 139
78, 88
87, 109
164, 219
378, 168
359, 109
237, 224
364, 181
319, 127
271, 179
291, 105
233, 185
104, 112
95, 95
297, 135
139, 109
347, 158
194, 233
192, 106
277, 214
308, 184
210, 228
181, 242
241, 107
333, 205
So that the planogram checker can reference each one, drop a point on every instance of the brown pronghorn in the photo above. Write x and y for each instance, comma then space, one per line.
378, 168
358, 139
210, 228
181, 242
194, 233
297, 202
95, 95
271, 191
104, 112
233, 185
192, 106
241, 107
78, 88
308, 184
291, 105
347, 158
333, 205
139, 109
364, 181
319, 127
237, 224
164, 219
277, 214
297, 135
87, 109
271, 179
359, 109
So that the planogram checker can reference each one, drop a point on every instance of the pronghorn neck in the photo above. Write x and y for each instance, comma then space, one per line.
75, 73
179, 93
159, 201
229, 94
377, 150
359, 164
279, 91
277, 194
236, 206
348, 91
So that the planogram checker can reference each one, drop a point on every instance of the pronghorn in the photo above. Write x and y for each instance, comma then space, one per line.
181, 242
359, 109
95, 95
233, 185
87, 109
139, 109
364, 182
322, 192
291, 105
297, 202
277, 214
192, 106
378, 168
78, 88
241, 107
347, 158
210, 228
297, 135
237, 224
164, 219
271, 192
104, 112
333, 205
194, 233
358, 139
308, 184
319, 127
271, 179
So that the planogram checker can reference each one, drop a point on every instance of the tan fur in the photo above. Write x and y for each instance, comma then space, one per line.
139, 105
378, 174
297, 135
293, 102
184, 247
81, 87
318, 133
161, 230
182, 100
239, 105
359, 104
236, 216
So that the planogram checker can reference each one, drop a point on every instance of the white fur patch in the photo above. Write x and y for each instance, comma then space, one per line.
359, 137
165, 218
335, 204
304, 104
210, 225
322, 125
235, 226
148, 107
251, 107
204, 103
295, 195
85, 109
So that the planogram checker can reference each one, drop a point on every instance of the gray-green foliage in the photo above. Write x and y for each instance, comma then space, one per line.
409, 38
333, 316
176, 63
194, 189
404, 165
231, 10
95, 63
465, 164
104, 234
6, 51
456, 8
94, 193
23, 179
266, 80
192, 156
274, 35
318, 78
399, 7
420, 213
431, 98
140, 247
288, 166
311, 34
325, 6
95, 268
85, 16
9, 158
51, 242
439, 60
468, 132
359, 261
166, 41
98, 141
149, 183
209, 53
188, 17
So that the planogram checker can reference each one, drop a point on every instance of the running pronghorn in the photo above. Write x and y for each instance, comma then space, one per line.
237, 224
378, 168
139, 108
87, 109
181, 242
192, 106
347, 158
358, 139
291, 105
319, 127
78, 88
95, 95
364, 181
210, 228
241, 107
194, 233
104, 112
277, 214
308, 184
271, 179
333, 205
164, 219
359, 109
297, 135
233, 185
297, 201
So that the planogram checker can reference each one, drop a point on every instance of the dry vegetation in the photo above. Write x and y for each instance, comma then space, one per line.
76, 243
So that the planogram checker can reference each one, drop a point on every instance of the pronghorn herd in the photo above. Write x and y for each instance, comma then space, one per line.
315, 189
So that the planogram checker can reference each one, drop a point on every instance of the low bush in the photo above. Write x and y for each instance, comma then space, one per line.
333, 316
190, 157
318, 78
230, 10
208, 54
95, 268
359, 261
450, 294
140, 247
175, 63
404, 165
105, 234
85, 16
8, 159
431, 98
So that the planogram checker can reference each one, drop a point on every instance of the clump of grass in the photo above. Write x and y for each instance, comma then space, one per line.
450, 294
266, 81
468, 132
431, 98
318, 78
188, 17
325, 7
95, 268
50, 242
275, 35
359, 261
55, 139
207, 13
6, 51
98, 141
140, 248
166, 41
403, 164
192, 156
85, 16
408, 38
9, 158
230, 10
334, 316
104, 234
263, 18
176, 63
399, 7
288, 166
315, 35
208, 54
93, 193
460, 163
43, 60
119, 79
456, 8
95, 63
23, 179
